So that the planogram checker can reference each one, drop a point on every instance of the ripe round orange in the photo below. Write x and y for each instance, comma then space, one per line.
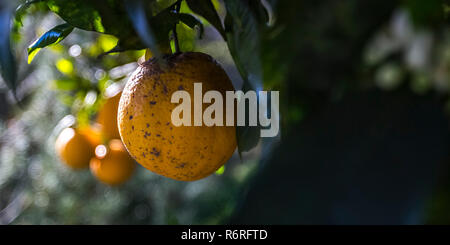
74, 149
112, 164
184, 153
107, 117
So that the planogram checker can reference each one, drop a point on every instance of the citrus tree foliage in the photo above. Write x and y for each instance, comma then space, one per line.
112, 35
139, 24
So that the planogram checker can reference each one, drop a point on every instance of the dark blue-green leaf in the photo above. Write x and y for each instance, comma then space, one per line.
53, 36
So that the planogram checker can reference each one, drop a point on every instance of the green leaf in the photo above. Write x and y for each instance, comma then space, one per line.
108, 17
259, 11
53, 36
221, 170
156, 30
143, 29
190, 21
186, 38
7, 59
247, 136
137, 15
206, 9
104, 16
243, 39
80, 14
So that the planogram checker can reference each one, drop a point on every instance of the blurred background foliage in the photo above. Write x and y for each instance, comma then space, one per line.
315, 54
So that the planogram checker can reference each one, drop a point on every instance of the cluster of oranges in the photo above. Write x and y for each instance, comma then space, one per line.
98, 146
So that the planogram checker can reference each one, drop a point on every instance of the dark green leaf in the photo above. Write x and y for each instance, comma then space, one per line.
104, 16
186, 38
243, 35
191, 21
206, 9
80, 14
137, 15
243, 38
140, 30
259, 11
247, 136
161, 25
7, 59
53, 36
110, 17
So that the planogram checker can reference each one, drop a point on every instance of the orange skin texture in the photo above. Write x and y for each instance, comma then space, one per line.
74, 149
107, 117
185, 153
112, 165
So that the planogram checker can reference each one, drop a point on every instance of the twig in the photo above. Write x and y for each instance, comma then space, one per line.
175, 35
